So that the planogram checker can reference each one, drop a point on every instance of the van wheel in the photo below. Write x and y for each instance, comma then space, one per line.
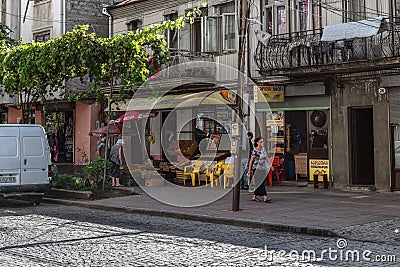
35, 201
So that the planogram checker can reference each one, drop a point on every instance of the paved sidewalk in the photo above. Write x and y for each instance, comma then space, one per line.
366, 216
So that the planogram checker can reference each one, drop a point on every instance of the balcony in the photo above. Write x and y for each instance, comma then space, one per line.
181, 56
305, 52
184, 68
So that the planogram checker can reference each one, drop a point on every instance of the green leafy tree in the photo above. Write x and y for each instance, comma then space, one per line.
35, 72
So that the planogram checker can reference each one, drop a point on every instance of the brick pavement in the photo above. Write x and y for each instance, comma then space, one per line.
294, 209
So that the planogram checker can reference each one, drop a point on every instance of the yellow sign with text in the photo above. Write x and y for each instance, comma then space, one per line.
319, 168
273, 94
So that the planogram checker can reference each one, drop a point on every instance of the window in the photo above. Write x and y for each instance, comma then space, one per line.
355, 10
303, 10
227, 12
29, 117
191, 35
212, 32
281, 20
134, 25
317, 16
32, 146
268, 25
185, 37
220, 31
274, 17
172, 35
3, 117
9, 146
397, 12
42, 37
228, 24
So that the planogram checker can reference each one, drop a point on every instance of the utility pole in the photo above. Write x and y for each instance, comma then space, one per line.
241, 69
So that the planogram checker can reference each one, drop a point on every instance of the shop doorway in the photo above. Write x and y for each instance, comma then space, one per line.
59, 126
361, 144
3, 117
296, 131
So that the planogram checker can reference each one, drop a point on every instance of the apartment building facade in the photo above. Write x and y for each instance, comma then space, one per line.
338, 64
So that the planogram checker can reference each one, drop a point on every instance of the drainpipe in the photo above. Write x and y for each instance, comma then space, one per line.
110, 21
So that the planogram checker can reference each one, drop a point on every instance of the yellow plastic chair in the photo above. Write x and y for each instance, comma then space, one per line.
213, 172
193, 171
228, 172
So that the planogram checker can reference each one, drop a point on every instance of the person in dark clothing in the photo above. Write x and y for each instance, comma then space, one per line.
259, 167
245, 161
116, 161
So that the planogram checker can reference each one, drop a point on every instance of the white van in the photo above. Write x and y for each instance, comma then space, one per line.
24, 162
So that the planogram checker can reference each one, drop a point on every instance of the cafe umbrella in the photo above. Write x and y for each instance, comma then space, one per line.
132, 116
112, 130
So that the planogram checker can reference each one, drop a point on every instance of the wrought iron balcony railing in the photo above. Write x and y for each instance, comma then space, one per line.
184, 68
181, 67
181, 56
306, 49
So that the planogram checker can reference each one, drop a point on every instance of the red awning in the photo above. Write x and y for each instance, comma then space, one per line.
133, 115
114, 129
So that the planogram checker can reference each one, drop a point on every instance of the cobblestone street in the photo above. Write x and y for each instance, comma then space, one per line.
53, 235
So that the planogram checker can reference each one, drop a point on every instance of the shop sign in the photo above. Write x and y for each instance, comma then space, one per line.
273, 94
276, 119
320, 168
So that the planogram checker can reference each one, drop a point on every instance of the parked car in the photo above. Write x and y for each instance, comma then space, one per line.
25, 162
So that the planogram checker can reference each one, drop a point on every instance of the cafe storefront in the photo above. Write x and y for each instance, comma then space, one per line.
297, 130
183, 129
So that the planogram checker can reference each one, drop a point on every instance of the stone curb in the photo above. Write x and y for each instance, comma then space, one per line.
202, 218
69, 193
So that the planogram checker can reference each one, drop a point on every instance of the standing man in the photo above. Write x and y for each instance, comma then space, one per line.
245, 161
116, 161
101, 147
